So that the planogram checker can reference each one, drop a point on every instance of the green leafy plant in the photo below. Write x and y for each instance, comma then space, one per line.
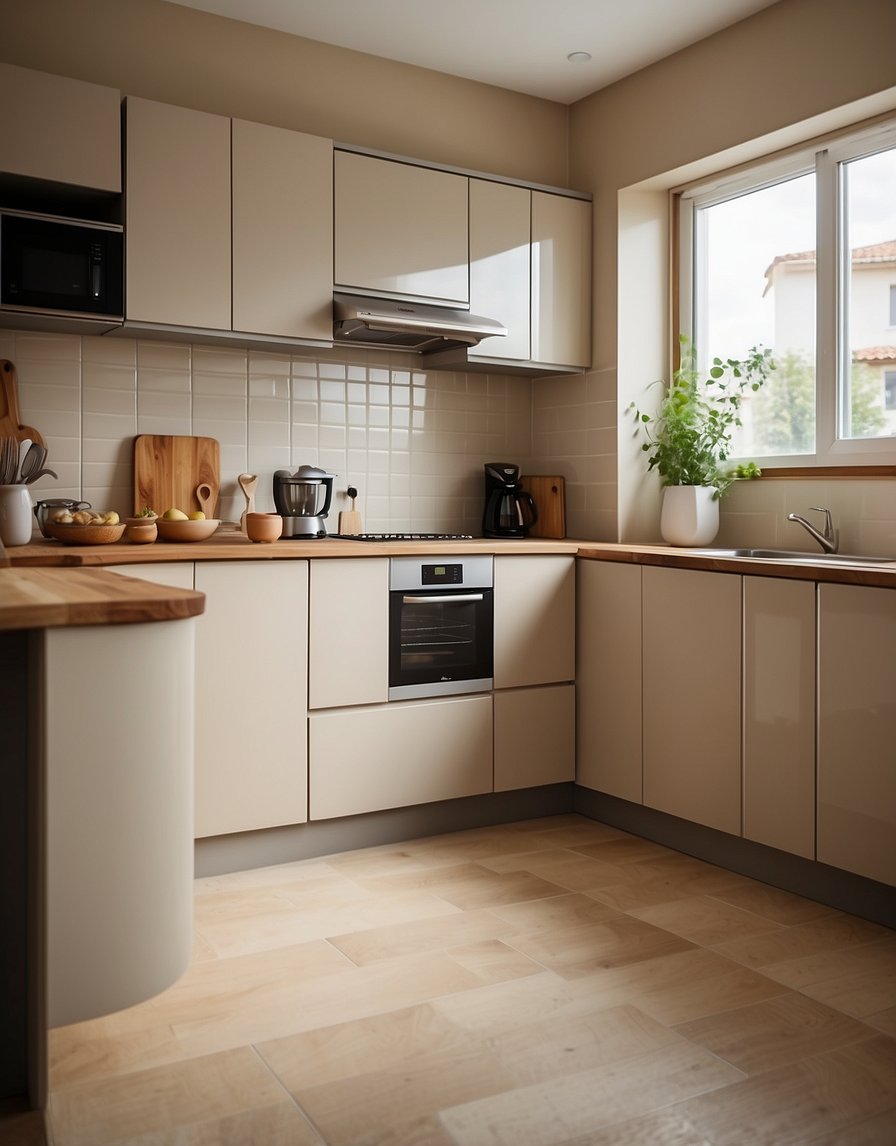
689, 436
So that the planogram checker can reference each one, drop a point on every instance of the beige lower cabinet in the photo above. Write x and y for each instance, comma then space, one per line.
535, 603
534, 736
608, 678
857, 730
692, 695
349, 632
116, 735
251, 695
178, 574
779, 714
395, 755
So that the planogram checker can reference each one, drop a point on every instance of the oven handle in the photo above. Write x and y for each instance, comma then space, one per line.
443, 599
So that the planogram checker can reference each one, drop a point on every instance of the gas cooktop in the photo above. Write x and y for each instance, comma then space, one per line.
402, 536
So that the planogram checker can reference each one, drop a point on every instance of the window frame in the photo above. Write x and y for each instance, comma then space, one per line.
832, 350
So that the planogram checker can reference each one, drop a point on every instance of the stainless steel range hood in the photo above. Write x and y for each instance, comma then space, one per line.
404, 325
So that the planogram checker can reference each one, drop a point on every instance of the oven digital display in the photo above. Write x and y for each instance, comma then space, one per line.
442, 574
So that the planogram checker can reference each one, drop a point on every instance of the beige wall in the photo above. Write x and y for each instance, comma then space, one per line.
788, 73
178, 55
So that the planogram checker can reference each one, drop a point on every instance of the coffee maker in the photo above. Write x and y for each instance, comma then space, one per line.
509, 510
302, 499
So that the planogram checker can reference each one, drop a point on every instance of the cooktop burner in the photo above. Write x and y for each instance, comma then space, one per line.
402, 536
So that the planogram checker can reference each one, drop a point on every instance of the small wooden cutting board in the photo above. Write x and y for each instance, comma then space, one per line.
168, 468
10, 426
549, 495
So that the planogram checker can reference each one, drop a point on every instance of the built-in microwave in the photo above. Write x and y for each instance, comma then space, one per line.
70, 268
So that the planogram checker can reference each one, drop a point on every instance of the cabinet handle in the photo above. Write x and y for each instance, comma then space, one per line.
442, 599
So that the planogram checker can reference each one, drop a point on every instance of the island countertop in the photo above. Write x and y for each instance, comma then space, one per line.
35, 598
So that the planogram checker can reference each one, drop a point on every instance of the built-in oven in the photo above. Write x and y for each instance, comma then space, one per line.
441, 626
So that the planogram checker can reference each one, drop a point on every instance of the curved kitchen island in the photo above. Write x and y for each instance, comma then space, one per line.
97, 680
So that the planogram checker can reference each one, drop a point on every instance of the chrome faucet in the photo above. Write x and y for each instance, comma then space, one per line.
828, 538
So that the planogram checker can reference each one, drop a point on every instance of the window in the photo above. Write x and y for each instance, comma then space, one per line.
799, 255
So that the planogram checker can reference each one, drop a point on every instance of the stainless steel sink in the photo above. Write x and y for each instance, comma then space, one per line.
796, 556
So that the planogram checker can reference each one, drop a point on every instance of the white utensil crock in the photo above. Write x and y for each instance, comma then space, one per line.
16, 514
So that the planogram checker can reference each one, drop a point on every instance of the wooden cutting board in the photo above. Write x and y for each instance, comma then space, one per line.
169, 467
549, 495
10, 427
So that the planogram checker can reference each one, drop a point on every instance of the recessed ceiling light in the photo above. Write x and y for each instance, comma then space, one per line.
579, 57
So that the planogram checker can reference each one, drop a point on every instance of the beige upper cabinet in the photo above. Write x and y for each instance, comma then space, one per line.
779, 714
692, 695
400, 229
535, 601
500, 265
857, 730
282, 232
177, 216
60, 129
220, 243
561, 280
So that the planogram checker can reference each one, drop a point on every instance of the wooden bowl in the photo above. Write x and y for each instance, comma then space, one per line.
263, 526
72, 534
187, 530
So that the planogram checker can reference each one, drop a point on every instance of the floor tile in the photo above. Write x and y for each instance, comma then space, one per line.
705, 920
202, 1092
374, 944
830, 933
774, 1032
859, 980
552, 1112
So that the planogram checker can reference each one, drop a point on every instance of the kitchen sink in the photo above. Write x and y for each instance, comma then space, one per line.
796, 556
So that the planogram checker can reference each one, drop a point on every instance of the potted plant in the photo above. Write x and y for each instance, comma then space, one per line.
689, 439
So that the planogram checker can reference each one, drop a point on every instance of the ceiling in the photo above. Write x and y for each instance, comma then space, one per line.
517, 44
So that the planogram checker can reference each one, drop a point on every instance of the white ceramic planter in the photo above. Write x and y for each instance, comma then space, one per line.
690, 515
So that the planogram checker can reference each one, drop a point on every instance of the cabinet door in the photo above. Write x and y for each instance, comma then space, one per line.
61, 129
179, 574
349, 632
499, 264
779, 714
177, 206
251, 688
535, 736
534, 620
395, 755
857, 730
692, 695
608, 678
282, 232
561, 280
401, 229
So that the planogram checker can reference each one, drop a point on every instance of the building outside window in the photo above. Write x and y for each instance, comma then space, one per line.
799, 255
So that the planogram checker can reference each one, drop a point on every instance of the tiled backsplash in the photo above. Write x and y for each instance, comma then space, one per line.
413, 442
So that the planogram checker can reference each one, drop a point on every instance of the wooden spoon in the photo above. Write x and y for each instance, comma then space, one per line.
247, 483
206, 499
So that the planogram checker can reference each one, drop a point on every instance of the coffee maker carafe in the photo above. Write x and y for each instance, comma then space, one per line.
509, 510
302, 499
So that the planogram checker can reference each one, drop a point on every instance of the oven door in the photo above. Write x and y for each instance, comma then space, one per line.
440, 641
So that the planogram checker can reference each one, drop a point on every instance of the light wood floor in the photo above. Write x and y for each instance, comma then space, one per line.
554, 981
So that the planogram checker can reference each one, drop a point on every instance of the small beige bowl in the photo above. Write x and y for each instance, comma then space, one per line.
187, 530
141, 531
263, 526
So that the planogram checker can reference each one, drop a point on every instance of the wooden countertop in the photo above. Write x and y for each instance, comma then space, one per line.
228, 544
881, 576
52, 598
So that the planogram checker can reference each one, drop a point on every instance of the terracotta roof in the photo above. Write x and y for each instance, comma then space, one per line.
875, 354
875, 253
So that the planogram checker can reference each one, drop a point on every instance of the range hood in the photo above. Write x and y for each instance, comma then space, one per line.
398, 324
